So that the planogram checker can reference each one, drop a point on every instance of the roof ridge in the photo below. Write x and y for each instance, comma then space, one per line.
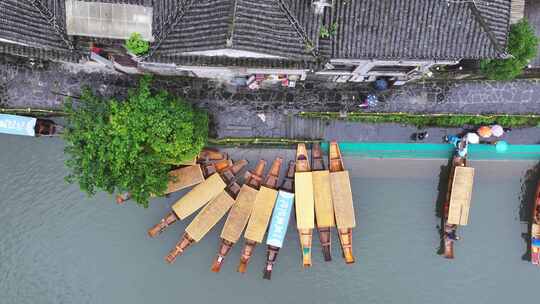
171, 22
298, 28
51, 20
229, 42
480, 19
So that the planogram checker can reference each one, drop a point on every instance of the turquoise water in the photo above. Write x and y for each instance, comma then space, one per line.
444, 151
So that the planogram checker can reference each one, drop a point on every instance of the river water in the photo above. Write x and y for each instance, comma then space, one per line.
59, 246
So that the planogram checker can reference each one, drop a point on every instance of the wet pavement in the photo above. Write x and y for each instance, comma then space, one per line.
270, 112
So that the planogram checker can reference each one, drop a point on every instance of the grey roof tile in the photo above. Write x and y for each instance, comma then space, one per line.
418, 29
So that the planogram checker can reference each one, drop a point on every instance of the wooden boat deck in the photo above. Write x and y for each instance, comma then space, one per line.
199, 196
460, 196
341, 190
263, 206
239, 214
209, 216
305, 201
184, 177
324, 208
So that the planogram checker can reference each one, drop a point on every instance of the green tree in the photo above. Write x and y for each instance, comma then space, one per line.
522, 45
129, 145
137, 45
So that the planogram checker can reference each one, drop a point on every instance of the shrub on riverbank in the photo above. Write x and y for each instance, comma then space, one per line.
433, 120
125, 145
522, 45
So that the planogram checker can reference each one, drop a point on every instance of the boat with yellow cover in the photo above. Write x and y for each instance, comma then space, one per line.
280, 220
260, 216
342, 200
207, 218
198, 197
535, 229
239, 214
304, 204
457, 203
322, 194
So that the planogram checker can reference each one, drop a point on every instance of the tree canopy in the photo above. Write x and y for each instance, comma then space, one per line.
136, 44
129, 145
522, 45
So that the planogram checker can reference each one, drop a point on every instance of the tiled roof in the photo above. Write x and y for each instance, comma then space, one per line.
263, 26
38, 25
420, 29
366, 29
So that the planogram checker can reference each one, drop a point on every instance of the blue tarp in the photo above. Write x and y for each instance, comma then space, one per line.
17, 125
280, 219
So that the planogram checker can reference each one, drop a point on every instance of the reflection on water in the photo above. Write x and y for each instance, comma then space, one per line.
442, 190
528, 191
59, 246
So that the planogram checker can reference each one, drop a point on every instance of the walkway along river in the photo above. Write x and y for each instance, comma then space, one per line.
59, 246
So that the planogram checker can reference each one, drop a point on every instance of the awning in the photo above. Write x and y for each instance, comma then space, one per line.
17, 125
107, 20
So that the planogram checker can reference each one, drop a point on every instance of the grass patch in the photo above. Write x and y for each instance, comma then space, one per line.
32, 112
258, 141
431, 120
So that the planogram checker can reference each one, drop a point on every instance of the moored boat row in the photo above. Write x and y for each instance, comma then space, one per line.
257, 206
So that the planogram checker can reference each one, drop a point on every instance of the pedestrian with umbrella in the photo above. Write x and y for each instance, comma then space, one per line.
484, 132
497, 130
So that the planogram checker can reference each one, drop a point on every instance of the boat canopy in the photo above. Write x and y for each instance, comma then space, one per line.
460, 197
17, 125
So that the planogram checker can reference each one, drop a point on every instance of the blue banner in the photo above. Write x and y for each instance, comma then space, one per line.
280, 219
17, 125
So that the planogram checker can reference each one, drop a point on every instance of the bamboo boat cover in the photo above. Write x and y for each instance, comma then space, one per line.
342, 199
322, 193
280, 219
535, 229
239, 214
260, 216
460, 197
199, 196
184, 177
305, 204
209, 216
189, 162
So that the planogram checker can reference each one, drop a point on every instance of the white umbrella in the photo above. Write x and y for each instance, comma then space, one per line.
497, 130
473, 138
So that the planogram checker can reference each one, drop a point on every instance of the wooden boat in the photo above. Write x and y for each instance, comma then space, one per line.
198, 197
260, 216
535, 229
322, 194
305, 204
342, 200
280, 220
457, 203
190, 174
28, 126
207, 218
239, 214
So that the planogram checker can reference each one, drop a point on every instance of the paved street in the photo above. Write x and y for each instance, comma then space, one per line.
21, 86
236, 113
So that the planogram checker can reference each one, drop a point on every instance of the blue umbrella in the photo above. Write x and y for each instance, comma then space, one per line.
501, 146
381, 84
